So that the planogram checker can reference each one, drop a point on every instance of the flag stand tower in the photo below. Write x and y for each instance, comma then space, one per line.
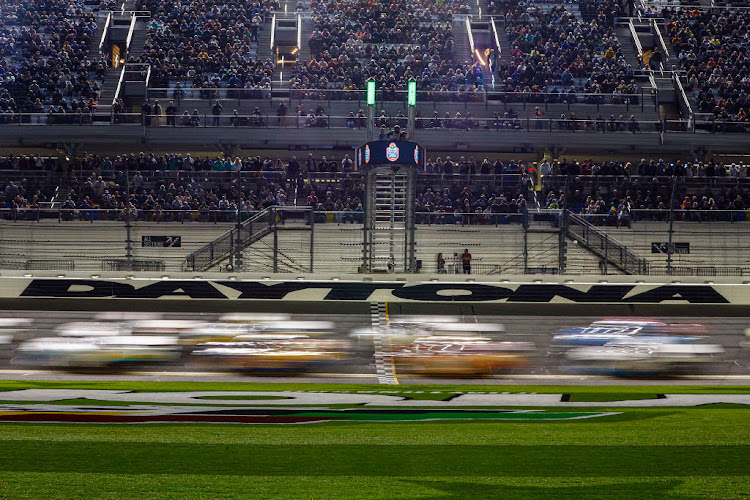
389, 170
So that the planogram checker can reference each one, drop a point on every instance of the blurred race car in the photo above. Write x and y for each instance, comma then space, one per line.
603, 331
169, 327
77, 352
460, 356
261, 326
272, 353
254, 318
92, 329
120, 316
212, 332
406, 329
643, 355
11, 327
746, 343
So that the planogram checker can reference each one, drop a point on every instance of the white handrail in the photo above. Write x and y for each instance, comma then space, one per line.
299, 34
104, 32
119, 85
273, 31
636, 40
139, 13
497, 47
497, 39
661, 38
130, 32
684, 98
471, 37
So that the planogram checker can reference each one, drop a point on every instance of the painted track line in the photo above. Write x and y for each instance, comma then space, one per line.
383, 363
531, 378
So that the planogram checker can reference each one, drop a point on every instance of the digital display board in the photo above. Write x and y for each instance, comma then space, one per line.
387, 152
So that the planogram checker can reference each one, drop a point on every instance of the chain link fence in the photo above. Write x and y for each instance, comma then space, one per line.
296, 240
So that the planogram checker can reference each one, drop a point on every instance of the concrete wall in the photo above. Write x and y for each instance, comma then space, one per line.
89, 243
338, 249
711, 243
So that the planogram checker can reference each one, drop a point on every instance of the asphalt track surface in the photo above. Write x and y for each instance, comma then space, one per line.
733, 369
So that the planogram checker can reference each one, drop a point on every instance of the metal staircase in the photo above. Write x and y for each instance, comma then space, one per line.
230, 245
389, 221
390, 225
605, 246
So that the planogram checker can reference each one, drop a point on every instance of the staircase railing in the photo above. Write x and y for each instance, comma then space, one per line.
220, 249
470, 35
605, 246
246, 233
684, 102
636, 39
105, 33
655, 28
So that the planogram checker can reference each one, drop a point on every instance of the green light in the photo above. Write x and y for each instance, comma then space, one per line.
371, 93
411, 97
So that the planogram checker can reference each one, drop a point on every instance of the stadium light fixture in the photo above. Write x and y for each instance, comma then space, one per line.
411, 95
371, 93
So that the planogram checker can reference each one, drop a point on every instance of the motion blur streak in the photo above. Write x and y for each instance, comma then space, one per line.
416, 346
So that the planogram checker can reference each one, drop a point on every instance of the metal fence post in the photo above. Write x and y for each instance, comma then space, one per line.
275, 240
312, 241
525, 225
606, 253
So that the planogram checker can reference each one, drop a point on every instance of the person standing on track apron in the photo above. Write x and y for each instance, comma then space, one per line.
466, 261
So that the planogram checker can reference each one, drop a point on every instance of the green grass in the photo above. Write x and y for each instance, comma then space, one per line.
697, 452
413, 391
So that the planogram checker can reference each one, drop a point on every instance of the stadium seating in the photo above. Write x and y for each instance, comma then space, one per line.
48, 63
207, 45
712, 50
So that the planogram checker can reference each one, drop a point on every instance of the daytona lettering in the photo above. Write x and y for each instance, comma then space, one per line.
429, 292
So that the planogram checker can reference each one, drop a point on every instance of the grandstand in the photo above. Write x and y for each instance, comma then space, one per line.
542, 81
586, 218
500, 75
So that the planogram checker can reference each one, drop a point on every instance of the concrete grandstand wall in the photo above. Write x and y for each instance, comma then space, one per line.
712, 243
88, 244
337, 248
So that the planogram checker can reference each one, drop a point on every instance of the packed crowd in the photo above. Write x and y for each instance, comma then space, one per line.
713, 48
553, 50
392, 42
21, 194
45, 64
207, 44
154, 195
606, 11
614, 190
464, 190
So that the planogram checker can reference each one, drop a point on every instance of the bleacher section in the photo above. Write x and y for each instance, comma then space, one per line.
552, 70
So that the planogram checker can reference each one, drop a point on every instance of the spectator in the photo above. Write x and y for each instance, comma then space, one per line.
466, 261
216, 110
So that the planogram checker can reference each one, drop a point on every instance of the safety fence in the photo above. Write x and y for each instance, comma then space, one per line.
297, 239
497, 120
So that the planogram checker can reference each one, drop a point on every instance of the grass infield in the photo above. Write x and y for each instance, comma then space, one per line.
641, 452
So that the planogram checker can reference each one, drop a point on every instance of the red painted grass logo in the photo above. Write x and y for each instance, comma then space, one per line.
122, 415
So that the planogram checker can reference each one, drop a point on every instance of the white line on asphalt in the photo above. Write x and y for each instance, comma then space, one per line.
362, 375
